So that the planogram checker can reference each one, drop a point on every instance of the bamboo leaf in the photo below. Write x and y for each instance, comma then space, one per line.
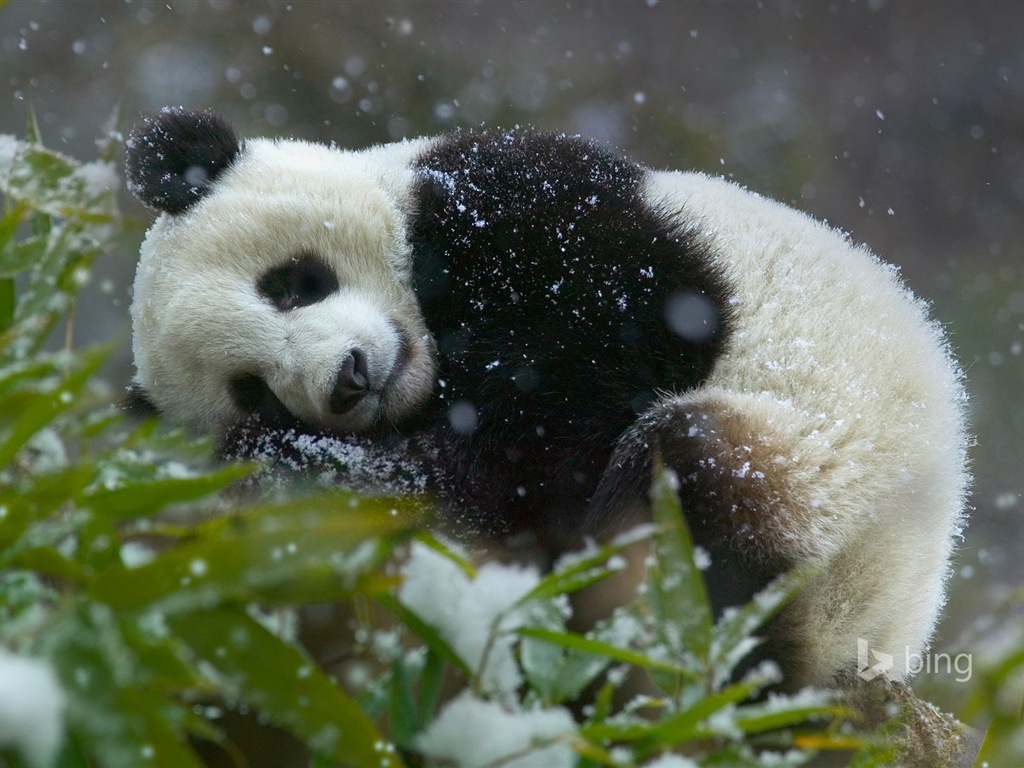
430, 686
55, 184
1001, 732
402, 714
611, 652
143, 498
110, 708
283, 683
425, 633
8, 225
8, 299
21, 256
303, 553
580, 572
675, 586
42, 408
730, 643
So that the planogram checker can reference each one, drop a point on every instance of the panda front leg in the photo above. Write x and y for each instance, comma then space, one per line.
293, 454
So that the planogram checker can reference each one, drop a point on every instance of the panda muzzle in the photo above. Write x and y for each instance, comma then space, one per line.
352, 383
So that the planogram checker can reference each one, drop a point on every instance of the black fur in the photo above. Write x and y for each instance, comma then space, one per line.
251, 395
172, 159
304, 280
546, 280
137, 404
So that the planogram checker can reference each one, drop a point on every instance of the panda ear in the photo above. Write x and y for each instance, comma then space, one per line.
173, 159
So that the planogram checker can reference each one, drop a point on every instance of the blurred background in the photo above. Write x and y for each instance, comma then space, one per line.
901, 123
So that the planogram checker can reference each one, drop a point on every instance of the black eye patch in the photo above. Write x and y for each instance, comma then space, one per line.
303, 280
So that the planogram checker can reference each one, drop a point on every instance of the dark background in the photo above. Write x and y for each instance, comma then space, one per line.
899, 122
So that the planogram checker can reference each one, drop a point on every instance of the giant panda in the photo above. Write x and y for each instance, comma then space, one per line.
532, 319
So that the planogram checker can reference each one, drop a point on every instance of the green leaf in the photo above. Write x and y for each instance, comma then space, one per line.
8, 225
610, 652
144, 498
781, 713
1005, 727
402, 714
581, 572
111, 711
22, 593
55, 279
21, 256
110, 141
430, 540
595, 755
15, 517
425, 633
678, 728
33, 135
38, 410
28, 374
430, 686
675, 586
300, 552
163, 655
695, 723
8, 297
743, 756
734, 629
541, 662
37, 498
283, 683
55, 184
46, 561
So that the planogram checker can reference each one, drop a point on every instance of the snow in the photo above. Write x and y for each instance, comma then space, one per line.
359, 463
48, 451
97, 178
135, 554
31, 709
467, 613
8, 149
670, 761
471, 733
463, 417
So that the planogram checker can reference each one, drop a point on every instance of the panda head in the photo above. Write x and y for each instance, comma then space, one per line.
276, 280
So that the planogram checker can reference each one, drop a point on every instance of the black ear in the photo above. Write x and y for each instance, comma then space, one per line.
173, 159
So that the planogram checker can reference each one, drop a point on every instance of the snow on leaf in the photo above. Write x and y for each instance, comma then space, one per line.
32, 706
476, 617
471, 733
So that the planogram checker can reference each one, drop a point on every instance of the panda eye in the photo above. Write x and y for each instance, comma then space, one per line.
305, 279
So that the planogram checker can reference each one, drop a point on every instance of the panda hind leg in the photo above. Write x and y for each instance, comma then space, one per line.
729, 493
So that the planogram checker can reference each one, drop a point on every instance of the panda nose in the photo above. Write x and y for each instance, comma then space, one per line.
352, 384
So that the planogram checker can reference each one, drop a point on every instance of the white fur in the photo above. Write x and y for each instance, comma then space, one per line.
840, 386
196, 283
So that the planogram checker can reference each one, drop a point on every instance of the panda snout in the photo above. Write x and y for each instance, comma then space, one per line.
352, 383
